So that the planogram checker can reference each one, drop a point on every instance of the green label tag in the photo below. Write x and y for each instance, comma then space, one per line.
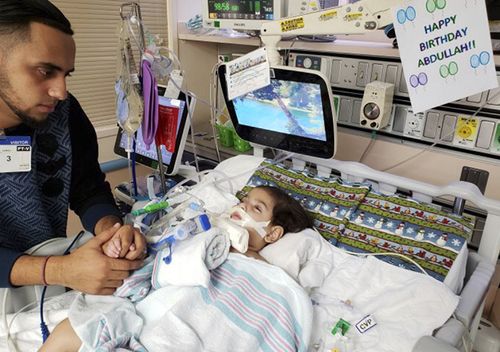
495, 146
342, 326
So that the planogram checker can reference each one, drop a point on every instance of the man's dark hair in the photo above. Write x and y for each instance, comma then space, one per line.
287, 212
16, 16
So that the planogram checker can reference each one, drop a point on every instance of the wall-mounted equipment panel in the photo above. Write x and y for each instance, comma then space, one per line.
356, 72
452, 125
479, 134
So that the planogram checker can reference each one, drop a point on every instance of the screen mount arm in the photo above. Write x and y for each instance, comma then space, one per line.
360, 17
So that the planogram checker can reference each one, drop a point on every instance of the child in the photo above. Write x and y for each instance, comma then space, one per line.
267, 213
283, 214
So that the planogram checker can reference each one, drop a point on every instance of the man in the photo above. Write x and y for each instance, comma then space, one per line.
37, 53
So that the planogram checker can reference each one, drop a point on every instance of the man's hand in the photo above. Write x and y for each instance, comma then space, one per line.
89, 270
127, 242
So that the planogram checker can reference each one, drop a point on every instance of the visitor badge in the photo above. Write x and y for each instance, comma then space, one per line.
15, 154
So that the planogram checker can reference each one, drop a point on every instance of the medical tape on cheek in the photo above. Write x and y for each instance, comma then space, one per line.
247, 221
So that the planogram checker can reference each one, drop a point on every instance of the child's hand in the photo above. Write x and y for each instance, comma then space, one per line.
115, 247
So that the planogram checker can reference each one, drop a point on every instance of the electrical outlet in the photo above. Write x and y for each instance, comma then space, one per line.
414, 126
348, 73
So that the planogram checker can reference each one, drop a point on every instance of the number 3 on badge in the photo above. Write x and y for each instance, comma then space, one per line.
15, 154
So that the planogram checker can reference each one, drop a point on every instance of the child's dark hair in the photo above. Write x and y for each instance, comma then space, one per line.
287, 212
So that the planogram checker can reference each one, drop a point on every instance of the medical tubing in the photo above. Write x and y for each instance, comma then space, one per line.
203, 173
44, 329
26, 307
134, 175
389, 254
151, 208
229, 178
449, 134
213, 100
275, 161
190, 104
194, 98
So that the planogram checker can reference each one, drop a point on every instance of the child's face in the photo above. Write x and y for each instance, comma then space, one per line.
259, 205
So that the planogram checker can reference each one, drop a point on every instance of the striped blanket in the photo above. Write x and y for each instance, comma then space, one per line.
248, 306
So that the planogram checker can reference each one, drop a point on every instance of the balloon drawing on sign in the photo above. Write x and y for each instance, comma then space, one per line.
484, 57
474, 61
477, 60
433, 5
406, 15
418, 80
450, 70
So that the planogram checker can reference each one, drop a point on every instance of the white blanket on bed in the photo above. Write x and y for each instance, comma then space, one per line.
405, 305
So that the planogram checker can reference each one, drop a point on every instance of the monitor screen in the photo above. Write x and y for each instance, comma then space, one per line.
284, 106
243, 9
293, 113
173, 127
241, 14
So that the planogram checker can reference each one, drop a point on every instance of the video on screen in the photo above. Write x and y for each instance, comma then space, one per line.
284, 106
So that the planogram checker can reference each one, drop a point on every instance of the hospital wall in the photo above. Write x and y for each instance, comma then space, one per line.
438, 165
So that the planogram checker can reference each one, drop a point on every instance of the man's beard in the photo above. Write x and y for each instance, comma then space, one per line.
5, 89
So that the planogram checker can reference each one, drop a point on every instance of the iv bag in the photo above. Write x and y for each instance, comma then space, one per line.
129, 103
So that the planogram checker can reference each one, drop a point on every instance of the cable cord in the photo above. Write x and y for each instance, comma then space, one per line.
389, 254
214, 85
426, 149
225, 178
368, 147
11, 343
43, 326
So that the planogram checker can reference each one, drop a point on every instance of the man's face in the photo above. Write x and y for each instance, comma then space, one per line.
33, 76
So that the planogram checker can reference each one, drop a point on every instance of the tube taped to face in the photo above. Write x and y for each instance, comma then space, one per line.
246, 220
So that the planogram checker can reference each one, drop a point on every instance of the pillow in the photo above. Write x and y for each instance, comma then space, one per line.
327, 200
436, 240
305, 256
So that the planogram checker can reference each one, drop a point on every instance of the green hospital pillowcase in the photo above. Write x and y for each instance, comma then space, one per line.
431, 237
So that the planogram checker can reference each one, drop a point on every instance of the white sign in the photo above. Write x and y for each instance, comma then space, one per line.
445, 48
247, 73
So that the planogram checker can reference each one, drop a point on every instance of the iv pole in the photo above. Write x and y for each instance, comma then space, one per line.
136, 11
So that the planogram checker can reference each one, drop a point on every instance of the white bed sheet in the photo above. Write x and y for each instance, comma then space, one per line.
405, 305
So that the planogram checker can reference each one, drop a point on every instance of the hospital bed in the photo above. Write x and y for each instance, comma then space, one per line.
479, 266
